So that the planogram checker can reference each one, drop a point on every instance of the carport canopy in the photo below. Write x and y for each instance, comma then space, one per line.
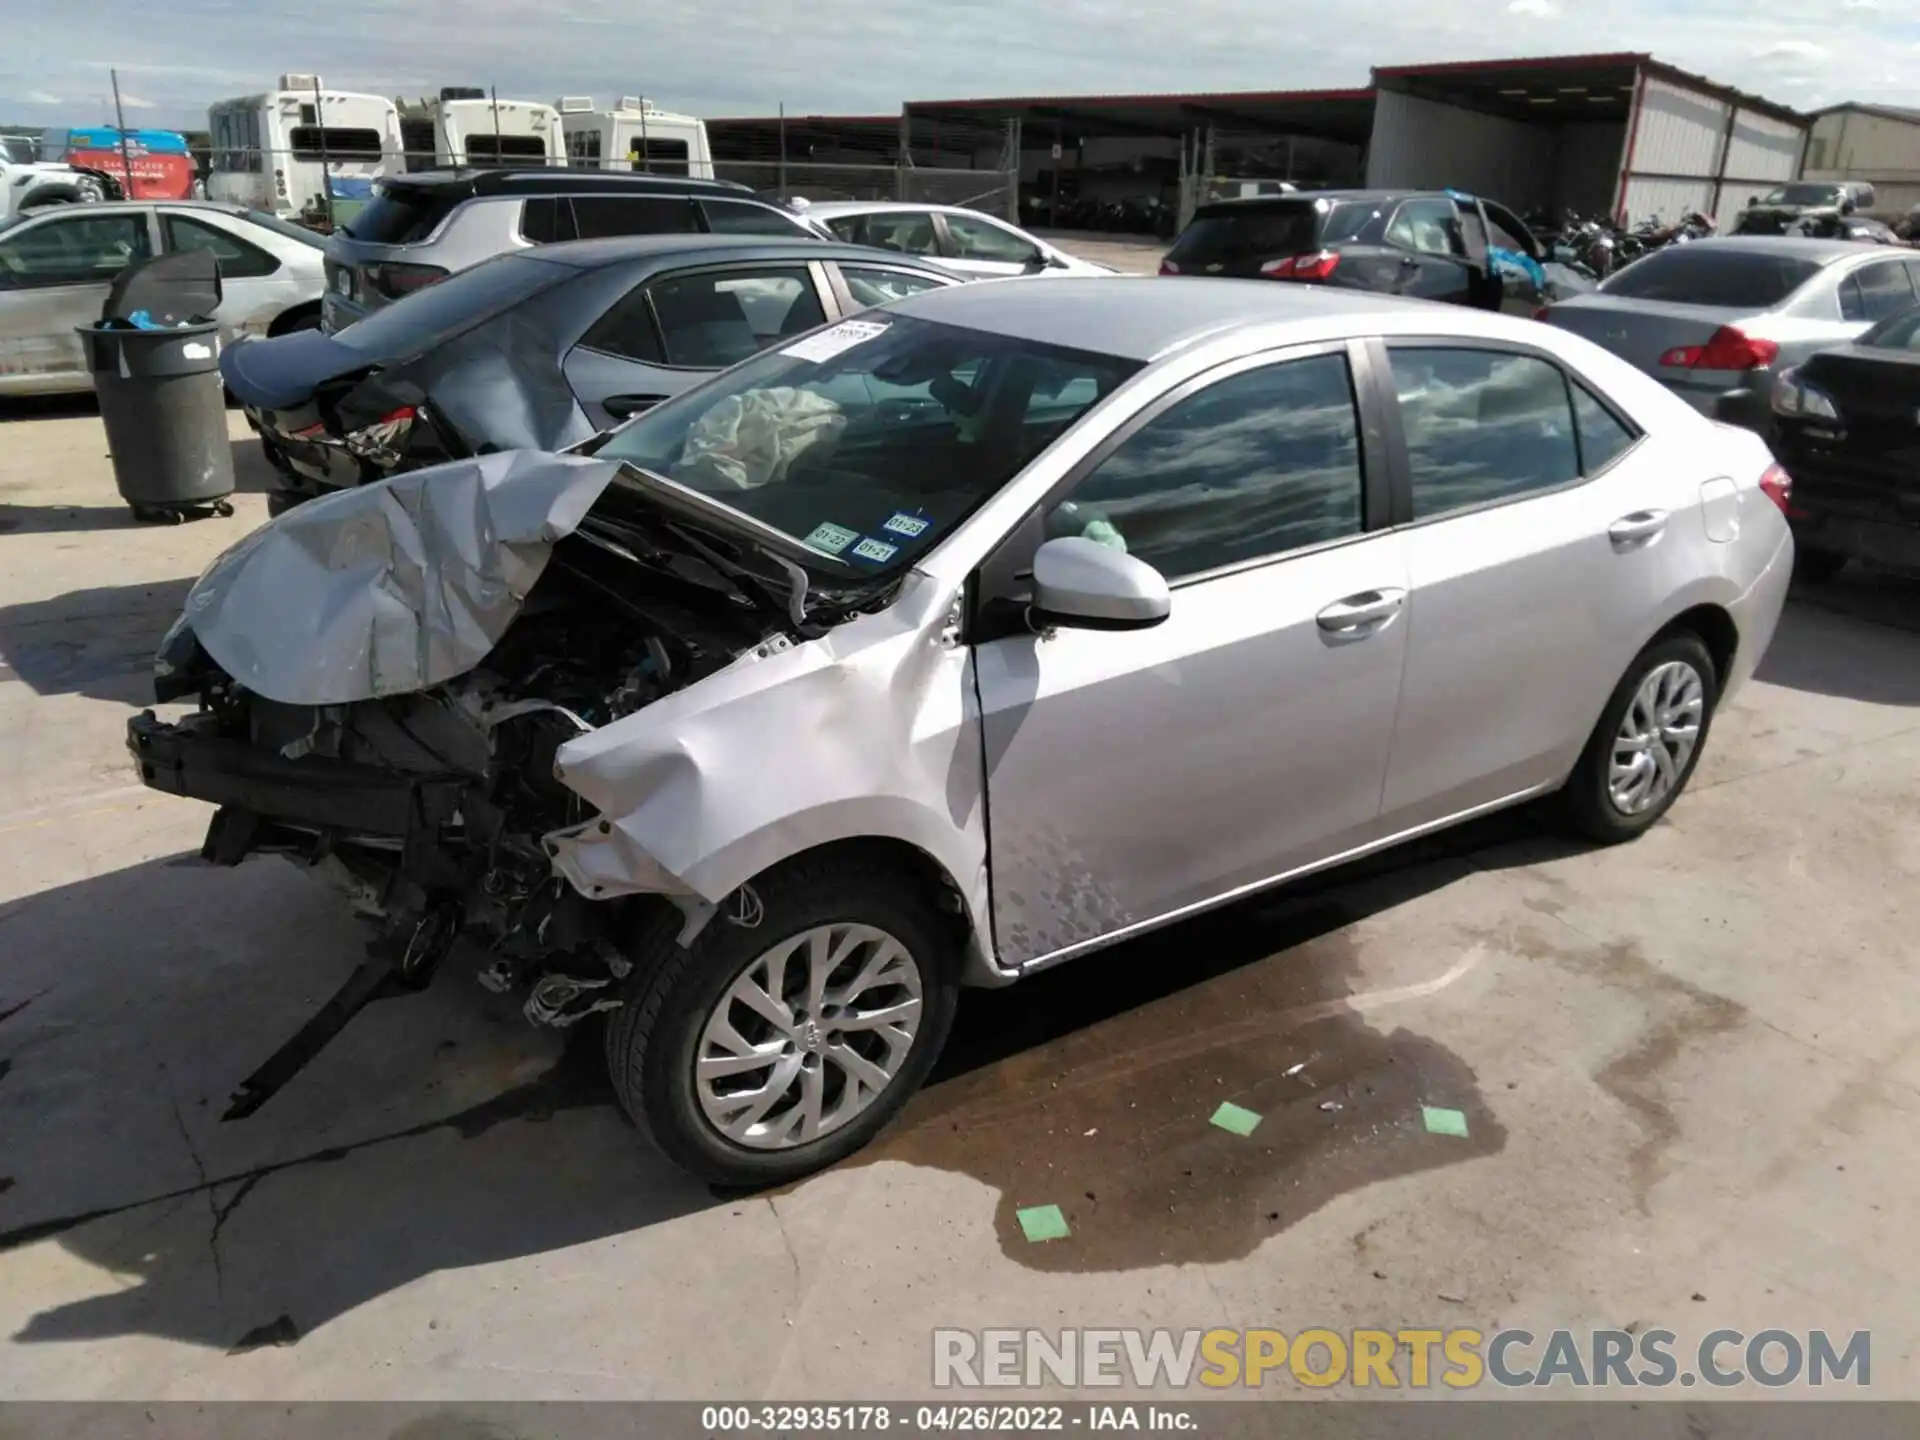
1340, 115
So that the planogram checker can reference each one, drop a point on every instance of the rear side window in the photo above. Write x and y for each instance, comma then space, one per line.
545, 219
237, 259
402, 215
598, 216
737, 217
1876, 292
1482, 425
1709, 275
455, 305
1604, 436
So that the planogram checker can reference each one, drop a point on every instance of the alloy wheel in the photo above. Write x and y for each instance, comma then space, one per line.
1656, 738
810, 1034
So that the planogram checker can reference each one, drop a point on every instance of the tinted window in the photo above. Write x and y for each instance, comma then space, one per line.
402, 215
1256, 465
340, 142
451, 307
628, 330
736, 217
596, 216
720, 317
1482, 425
1248, 233
72, 250
1430, 227
875, 439
1604, 437
505, 149
871, 286
545, 219
237, 259
1710, 275
658, 157
975, 239
1876, 292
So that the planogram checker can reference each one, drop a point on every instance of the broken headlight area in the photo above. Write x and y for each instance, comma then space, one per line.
429, 808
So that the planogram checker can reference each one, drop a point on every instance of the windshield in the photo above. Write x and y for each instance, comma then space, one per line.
868, 442
451, 307
1710, 275
1803, 195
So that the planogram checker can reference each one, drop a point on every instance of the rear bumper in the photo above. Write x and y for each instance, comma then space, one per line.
1756, 615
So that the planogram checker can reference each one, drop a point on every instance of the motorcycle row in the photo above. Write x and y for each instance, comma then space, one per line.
1596, 247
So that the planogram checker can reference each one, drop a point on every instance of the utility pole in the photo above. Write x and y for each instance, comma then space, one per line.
783, 151
326, 169
120, 126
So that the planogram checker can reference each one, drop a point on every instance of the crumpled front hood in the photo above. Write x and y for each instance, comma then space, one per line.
391, 587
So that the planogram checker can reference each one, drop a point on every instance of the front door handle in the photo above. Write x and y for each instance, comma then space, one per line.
1640, 528
1361, 614
623, 406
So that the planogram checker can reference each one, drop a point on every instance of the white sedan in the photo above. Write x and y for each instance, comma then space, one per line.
57, 266
975, 245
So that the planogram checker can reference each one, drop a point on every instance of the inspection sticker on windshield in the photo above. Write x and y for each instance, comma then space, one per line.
878, 551
842, 337
831, 538
911, 526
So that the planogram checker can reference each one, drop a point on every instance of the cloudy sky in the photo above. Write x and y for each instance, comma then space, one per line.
838, 56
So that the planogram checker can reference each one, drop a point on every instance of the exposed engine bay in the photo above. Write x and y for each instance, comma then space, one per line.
428, 807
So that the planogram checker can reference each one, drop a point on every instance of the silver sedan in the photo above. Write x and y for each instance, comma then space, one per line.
1036, 616
56, 267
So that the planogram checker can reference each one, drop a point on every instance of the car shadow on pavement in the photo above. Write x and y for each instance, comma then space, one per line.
440, 1132
1857, 638
98, 643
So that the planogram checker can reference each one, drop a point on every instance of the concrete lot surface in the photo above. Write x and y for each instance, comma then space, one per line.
1690, 1071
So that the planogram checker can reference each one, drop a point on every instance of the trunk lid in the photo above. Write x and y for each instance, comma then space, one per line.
1641, 331
1238, 237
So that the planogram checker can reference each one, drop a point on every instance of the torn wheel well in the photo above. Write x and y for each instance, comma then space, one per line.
919, 870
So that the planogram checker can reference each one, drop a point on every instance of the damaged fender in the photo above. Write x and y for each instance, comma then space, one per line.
705, 789
391, 587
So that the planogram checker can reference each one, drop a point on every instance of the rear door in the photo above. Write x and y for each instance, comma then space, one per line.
254, 286
54, 275
673, 330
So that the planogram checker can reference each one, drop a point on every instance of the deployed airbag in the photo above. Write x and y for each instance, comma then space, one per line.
391, 587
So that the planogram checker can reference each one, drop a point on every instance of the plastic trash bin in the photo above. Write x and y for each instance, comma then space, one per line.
166, 416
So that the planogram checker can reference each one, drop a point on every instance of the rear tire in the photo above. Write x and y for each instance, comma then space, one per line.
678, 1000
1817, 566
1650, 736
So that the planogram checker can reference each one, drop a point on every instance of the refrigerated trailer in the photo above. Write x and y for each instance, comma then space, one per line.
465, 126
301, 150
633, 135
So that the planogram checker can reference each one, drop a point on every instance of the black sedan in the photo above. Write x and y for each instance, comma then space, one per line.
1846, 426
542, 349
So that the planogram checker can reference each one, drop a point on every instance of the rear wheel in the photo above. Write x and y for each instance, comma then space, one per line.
1817, 566
793, 1029
1642, 753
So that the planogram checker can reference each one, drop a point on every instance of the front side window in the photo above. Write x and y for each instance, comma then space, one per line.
869, 441
1253, 466
1482, 425
979, 239
906, 231
870, 285
237, 259
719, 317
1902, 332
72, 250
1428, 227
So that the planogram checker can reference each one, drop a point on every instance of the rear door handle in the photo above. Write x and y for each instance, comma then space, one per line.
1361, 614
1632, 531
622, 406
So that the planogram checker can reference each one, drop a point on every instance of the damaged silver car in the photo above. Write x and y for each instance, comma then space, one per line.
953, 641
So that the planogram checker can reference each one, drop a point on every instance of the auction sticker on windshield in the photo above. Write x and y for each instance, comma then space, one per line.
911, 526
840, 339
831, 538
877, 551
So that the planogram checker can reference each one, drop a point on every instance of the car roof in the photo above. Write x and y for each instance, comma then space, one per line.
878, 207
1261, 202
1143, 317
110, 207
619, 249
558, 180
1820, 252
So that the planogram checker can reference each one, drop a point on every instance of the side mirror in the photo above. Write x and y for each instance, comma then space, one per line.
1080, 584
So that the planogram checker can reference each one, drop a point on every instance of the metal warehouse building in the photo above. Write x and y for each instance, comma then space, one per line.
1622, 134
1879, 144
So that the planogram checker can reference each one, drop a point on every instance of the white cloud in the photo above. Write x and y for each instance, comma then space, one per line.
1791, 50
1538, 8
41, 97
134, 102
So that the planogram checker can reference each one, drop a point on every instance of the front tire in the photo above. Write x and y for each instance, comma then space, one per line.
799, 1022
1642, 753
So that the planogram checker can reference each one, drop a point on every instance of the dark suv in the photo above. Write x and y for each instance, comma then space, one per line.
421, 228
1435, 245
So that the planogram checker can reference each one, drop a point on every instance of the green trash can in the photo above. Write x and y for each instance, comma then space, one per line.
165, 410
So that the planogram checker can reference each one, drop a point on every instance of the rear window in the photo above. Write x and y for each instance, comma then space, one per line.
1707, 275
402, 215
1252, 232
455, 305
504, 149
336, 142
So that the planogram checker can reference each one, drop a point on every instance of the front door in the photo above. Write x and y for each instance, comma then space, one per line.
1434, 264
1134, 775
976, 245
54, 275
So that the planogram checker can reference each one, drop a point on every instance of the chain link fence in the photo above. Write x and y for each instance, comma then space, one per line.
992, 191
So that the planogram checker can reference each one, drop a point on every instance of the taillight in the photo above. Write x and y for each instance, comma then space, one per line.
1317, 266
1540, 313
381, 441
1167, 267
395, 281
1777, 485
1728, 349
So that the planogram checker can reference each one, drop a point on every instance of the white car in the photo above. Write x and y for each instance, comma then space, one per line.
57, 266
976, 245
